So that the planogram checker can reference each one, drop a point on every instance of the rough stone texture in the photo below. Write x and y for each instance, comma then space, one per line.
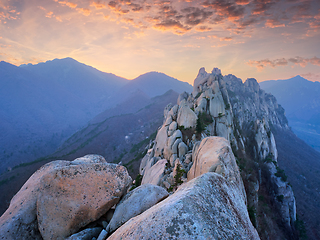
103, 235
182, 149
186, 117
90, 158
136, 202
161, 140
217, 107
155, 173
208, 207
86, 234
75, 195
202, 76
171, 146
20, 219
214, 154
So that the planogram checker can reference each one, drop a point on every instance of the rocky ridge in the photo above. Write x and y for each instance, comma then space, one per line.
240, 115
214, 161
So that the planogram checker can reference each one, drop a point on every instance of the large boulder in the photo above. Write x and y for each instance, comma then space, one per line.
214, 154
72, 196
207, 207
186, 117
20, 219
136, 202
154, 174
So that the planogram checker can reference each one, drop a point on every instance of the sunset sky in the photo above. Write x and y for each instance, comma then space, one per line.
264, 39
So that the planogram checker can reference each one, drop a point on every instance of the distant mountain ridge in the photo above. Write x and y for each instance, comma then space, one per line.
43, 104
301, 101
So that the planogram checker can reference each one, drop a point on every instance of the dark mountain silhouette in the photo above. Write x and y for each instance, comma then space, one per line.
301, 101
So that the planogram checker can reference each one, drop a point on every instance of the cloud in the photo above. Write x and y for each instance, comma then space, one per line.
226, 39
262, 6
203, 28
274, 23
172, 24
7, 12
195, 16
235, 16
261, 64
311, 76
98, 5
65, 3
84, 11
225, 9
49, 14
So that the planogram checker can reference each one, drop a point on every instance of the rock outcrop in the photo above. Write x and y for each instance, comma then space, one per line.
62, 196
136, 202
214, 154
207, 207
243, 115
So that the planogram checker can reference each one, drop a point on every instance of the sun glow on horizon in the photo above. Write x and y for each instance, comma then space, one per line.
264, 40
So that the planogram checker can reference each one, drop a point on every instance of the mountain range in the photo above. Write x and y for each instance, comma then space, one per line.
44, 104
120, 123
301, 101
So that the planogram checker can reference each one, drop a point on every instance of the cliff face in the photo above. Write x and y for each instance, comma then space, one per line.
243, 114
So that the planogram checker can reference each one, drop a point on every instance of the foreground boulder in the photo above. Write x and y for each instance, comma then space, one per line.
214, 154
207, 207
62, 196
73, 196
136, 202
20, 219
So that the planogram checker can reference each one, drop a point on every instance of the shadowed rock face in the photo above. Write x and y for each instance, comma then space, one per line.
136, 202
62, 197
207, 207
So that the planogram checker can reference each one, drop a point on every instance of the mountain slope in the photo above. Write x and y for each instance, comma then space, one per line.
43, 104
302, 165
301, 101
155, 84
151, 83
79, 79
140, 116
114, 136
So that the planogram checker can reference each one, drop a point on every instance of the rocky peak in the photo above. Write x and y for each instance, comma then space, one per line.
252, 85
225, 107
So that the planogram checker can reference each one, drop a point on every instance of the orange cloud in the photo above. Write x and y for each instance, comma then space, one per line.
65, 3
84, 11
98, 5
50, 14
226, 39
171, 24
272, 23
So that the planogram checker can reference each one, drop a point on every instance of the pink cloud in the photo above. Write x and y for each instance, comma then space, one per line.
261, 64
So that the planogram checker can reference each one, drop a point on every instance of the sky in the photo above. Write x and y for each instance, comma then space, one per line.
263, 39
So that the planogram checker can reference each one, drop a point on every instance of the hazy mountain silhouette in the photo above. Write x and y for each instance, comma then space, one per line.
152, 84
301, 101
42, 105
